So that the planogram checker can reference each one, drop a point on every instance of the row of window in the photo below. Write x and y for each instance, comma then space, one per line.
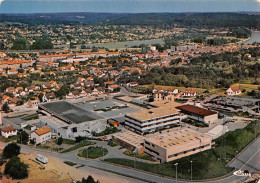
184, 152
154, 124
147, 148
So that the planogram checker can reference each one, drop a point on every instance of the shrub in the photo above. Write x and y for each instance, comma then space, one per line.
16, 169
11, 150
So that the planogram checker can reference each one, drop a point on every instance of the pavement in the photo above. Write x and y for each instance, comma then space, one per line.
249, 159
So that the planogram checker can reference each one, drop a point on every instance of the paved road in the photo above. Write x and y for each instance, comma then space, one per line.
250, 160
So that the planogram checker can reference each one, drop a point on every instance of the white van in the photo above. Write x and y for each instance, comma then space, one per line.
42, 158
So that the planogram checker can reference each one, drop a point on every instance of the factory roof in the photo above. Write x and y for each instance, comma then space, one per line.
196, 110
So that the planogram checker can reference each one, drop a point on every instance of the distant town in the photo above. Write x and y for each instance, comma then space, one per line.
137, 103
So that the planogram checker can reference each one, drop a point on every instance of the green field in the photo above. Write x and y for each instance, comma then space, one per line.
79, 145
93, 152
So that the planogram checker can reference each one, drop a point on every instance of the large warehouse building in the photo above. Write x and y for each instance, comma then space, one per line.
68, 120
199, 114
176, 144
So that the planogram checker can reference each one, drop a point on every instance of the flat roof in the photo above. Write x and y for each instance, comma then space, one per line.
50, 119
147, 114
70, 111
196, 110
130, 138
177, 138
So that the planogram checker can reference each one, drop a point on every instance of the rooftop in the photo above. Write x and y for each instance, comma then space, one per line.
43, 130
146, 114
196, 110
8, 129
130, 137
69, 111
178, 138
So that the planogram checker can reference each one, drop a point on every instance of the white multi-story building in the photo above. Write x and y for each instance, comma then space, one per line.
151, 120
176, 144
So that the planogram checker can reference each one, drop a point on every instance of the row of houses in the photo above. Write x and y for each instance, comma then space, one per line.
41, 135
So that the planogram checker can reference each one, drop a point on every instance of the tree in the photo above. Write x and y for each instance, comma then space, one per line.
23, 137
6, 108
42, 43
11, 150
90, 179
40, 96
20, 44
59, 140
16, 169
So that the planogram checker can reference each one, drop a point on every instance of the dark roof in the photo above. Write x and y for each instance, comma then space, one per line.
196, 110
50, 96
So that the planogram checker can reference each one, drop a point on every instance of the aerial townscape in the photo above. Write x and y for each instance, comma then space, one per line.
134, 97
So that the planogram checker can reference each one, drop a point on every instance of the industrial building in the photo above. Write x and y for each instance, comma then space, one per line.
176, 144
68, 120
151, 120
130, 141
200, 114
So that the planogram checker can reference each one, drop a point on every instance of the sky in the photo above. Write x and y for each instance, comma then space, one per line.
128, 6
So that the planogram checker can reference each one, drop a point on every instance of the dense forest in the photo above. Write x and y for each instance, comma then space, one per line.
207, 71
201, 20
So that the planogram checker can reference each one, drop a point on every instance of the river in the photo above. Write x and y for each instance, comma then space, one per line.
255, 37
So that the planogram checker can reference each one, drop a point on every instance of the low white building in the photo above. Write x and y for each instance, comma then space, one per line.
41, 135
8, 131
233, 90
199, 114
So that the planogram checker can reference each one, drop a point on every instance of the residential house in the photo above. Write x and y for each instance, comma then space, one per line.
89, 83
73, 95
233, 90
8, 131
41, 135
48, 97
132, 84
189, 93
12, 72
112, 87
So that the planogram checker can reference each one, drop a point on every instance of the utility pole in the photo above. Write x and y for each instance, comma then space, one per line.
224, 138
134, 162
190, 170
176, 165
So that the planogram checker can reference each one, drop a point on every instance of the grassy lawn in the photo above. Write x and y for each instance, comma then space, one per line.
10, 139
195, 122
30, 117
207, 164
140, 156
247, 87
107, 131
28, 127
93, 152
79, 145
112, 144
17, 116
68, 141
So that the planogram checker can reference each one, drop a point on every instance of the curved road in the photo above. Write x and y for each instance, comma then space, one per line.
249, 159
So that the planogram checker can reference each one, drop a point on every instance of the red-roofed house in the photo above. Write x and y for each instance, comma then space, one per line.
189, 93
8, 131
41, 135
233, 90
